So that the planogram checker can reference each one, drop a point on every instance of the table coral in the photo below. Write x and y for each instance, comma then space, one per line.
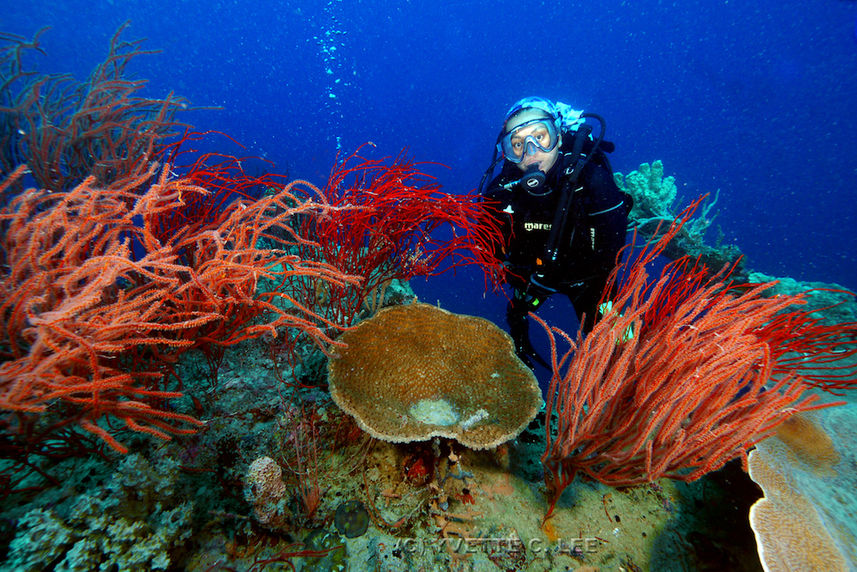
413, 372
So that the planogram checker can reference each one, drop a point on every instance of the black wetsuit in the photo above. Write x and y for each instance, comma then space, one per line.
586, 252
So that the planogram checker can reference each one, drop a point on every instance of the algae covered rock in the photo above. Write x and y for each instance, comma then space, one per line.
134, 522
351, 519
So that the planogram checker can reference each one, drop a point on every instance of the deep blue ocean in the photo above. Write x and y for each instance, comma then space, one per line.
756, 99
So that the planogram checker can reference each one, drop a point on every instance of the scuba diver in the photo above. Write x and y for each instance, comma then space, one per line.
563, 216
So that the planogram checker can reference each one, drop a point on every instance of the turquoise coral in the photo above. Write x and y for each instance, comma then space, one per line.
653, 194
652, 213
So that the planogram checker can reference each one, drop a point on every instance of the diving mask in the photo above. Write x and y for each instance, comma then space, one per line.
528, 138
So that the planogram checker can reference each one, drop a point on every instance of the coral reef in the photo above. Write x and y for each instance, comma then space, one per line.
449, 507
119, 267
654, 197
135, 523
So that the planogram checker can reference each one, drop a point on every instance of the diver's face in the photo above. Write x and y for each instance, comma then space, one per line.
530, 154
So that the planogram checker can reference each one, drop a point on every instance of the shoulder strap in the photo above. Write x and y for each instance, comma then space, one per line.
571, 174
578, 157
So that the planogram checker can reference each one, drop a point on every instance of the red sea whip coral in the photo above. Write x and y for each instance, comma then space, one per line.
684, 373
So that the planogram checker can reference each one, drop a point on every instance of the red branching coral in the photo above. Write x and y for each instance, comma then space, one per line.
87, 327
684, 373
385, 223
66, 130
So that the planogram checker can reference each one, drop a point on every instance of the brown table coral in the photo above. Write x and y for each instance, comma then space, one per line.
414, 372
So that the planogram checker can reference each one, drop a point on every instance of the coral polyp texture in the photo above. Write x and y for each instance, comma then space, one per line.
415, 371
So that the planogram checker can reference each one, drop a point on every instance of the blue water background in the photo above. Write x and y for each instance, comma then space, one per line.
756, 99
